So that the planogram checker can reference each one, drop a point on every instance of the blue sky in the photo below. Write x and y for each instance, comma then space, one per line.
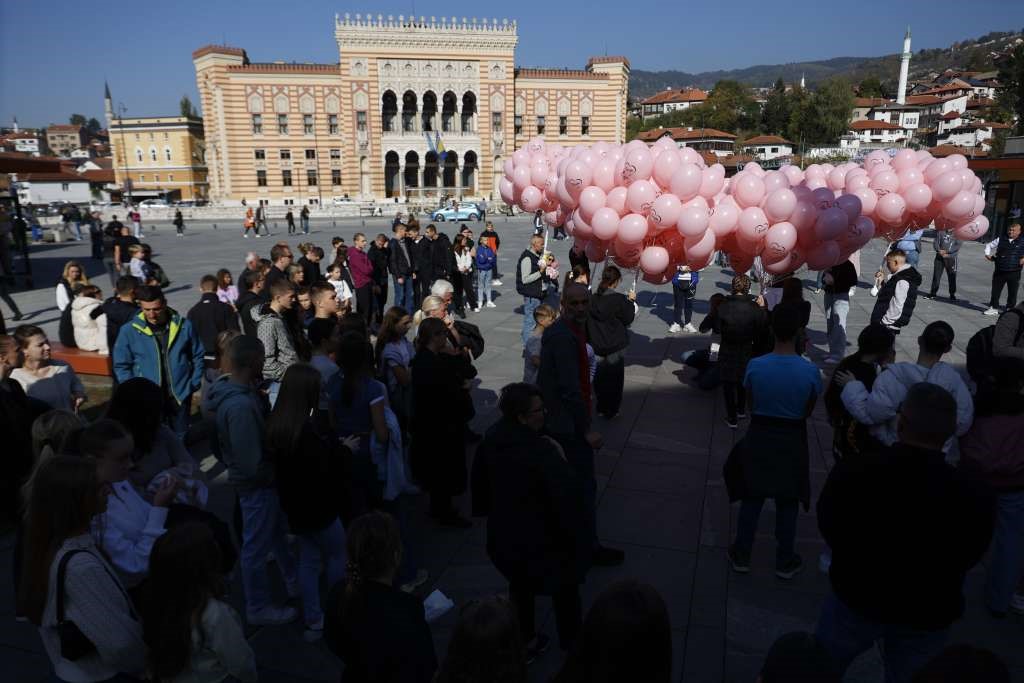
54, 56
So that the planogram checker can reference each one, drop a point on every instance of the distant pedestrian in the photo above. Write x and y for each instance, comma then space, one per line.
684, 290
261, 220
304, 219
741, 321
538, 223
289, 218
838, 281
179, 223
494, 242
485, 264
96, 235
611, 314
529, 280
136, 219
1007, 253
910, 244
249, 223
947, 249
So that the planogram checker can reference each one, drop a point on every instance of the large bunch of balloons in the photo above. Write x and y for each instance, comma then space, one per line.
657, 207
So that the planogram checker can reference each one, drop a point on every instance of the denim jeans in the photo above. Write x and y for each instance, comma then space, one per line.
483, 286
305, 226
785, 528
530, 305
403, 294
327, 545
78, 230
263, 532
179, 416
845, 635
837, 307
682, 305
272, 390
1007, 551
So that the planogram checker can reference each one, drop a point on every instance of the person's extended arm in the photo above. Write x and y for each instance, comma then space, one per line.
875, 407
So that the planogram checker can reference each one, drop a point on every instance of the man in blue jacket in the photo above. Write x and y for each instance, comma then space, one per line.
161, 346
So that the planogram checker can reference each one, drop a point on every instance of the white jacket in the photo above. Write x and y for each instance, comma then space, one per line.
90, 333
127, 531
879, 408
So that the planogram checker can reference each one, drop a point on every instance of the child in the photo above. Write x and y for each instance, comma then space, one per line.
190, 633
494, 242
486, 262
157, 273
137, 266
544, 316
336, 279
226, 290
684, 289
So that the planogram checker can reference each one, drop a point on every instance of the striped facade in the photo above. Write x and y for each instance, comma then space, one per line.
413, 109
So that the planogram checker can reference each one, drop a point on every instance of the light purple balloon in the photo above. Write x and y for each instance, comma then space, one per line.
830, 224
850, 204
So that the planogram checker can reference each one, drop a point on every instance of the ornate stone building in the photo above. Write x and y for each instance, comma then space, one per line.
414, 108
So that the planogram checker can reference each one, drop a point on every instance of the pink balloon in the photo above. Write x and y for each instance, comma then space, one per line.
960, 207
638, 164
700, 247
857, 182
937, 168
830, 224
747, 189
521, 177
712, 181
640, 195
724, 219
605, 223
616, 200
885, 182
804, 214
654, 260
539, 173
917, 197
779, 205
564, 197
603, 175
753, 223
508, 167
591, 199
905, 158
946, 186
891, 208
780, 267
973, 229
825, 255
577, 177
665, 166
850, 204
632, 228
530, 199
521, 157
836, 179
685, 182
778, 241
909, 177
693, 220
868, 200
775, 180
506, 190
957, 160
665, 211
583, 229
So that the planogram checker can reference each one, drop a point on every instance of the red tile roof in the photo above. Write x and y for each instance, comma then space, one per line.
100, 176
946, 150
868, 124
954, 85
63, 177
951, 115
681, 95
869, 101
219, 49
767, 140
63, 128
684, 134
980, 102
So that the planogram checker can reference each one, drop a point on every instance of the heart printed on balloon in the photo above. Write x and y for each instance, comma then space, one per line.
628, 171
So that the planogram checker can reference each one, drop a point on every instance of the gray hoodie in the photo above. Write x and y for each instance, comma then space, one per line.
278, 346
945, 241
240, 412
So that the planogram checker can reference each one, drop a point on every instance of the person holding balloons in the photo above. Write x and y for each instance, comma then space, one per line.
897, 294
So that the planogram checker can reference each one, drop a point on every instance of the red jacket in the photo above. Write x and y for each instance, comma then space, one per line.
360, 267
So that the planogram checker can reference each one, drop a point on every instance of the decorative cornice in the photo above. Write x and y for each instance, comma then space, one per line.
221, 50
411, 23
573, 74
285, 68
410, 34
616, 59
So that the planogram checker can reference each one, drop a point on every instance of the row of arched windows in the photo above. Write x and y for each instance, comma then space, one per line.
140, 155
430, 115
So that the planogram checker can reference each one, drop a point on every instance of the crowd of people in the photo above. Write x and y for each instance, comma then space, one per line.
331, 411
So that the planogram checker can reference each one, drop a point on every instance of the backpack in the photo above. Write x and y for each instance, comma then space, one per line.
981, 361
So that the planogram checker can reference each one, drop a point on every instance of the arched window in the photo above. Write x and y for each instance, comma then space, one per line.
138, 154
429, 111
409, 109
306, 104
388, 111
255, 104
281, 104
152, 153
469, 112
167, 153
449, 107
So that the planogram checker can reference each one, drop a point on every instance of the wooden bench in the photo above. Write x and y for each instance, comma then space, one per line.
83, 362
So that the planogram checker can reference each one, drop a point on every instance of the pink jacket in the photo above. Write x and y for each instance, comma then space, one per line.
360, 267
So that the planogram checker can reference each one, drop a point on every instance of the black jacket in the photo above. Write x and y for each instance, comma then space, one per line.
904, 528
568, 412
422, 254
888, 291
535, 288
311, 479
441, 257
380, 633
399, 259
611, 313
210, 317
118, 313
844, 276
273, 275
379, 259
1008, 254
246, 304
534, 504
740, 320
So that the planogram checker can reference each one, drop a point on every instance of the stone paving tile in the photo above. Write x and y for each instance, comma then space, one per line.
649, 519
705, 655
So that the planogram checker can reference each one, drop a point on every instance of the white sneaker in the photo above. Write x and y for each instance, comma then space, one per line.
271, 616
674, 328
479, 306
496, 283
314, 632
688, 327
991, 311
246, 235
491, 304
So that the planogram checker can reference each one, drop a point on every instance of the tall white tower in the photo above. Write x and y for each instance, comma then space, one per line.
901, 94
803, 84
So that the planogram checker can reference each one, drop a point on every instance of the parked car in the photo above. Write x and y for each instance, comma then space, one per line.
341, 200
153, 203
461, 212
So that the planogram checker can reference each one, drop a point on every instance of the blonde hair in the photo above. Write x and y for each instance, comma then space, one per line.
135, 249
429, 305
84, 280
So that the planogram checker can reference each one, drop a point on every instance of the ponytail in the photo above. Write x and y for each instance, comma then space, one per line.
610, 277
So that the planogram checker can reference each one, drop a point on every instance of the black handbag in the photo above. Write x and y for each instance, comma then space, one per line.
74, 644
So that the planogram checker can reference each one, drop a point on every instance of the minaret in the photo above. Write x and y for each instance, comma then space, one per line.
803, 85
901, 94
15, 124
108, 105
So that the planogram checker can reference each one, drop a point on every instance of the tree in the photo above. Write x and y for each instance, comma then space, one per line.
93, 126
832, 106
1011, 92
77, 120
799, 115
729, 107
775, 117
185, 105
997, 145
870, 87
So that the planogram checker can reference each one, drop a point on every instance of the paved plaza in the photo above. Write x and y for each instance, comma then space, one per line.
661, 494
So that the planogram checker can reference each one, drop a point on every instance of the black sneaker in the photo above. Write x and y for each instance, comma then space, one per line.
791, 568
740, 563
536, 647
608, 557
